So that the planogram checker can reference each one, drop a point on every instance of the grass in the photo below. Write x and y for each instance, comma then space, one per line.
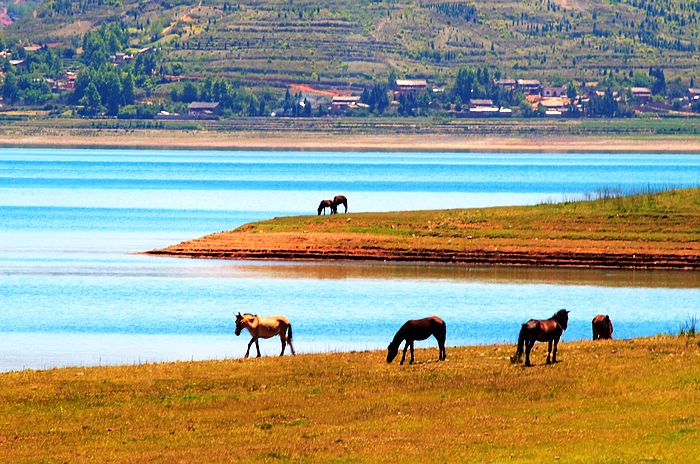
690, 327
619, 401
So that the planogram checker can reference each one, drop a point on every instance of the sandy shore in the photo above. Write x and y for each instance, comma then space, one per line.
165, 139
304, 246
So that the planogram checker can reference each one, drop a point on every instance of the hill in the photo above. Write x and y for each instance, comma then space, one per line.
349, 44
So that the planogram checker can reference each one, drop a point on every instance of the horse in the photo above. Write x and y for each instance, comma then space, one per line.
602, 327
339, 200
535, 330
265, 327
325, 204
418, 329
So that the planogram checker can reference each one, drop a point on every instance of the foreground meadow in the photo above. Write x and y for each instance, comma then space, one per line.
614, 401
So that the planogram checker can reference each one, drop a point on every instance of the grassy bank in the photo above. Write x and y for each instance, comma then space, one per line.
619, 401
646, 230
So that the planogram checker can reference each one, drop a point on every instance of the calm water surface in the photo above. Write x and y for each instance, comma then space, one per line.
72, 292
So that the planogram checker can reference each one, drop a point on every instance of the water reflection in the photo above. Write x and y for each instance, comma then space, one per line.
509, 275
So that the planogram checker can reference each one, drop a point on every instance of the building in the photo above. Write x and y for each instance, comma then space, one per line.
554, 106
550, 92
342, 103
529, 86
641, 94
480, 102
121, 58
404, 86
204, 110
506, 84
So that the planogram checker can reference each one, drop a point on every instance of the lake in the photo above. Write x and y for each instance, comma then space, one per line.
73, 292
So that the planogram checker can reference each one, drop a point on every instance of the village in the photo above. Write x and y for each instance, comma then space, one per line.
485, 94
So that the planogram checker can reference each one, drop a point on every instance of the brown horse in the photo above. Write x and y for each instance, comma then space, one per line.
418, 329
265, 327
325, 204
339, 200
602, 327
536, 330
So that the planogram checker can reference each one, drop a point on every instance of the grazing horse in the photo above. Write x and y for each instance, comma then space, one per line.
265, 327
418, 329
339, 200
602, 327
325, 204
536, 330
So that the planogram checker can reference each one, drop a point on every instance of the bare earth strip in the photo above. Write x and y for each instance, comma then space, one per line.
194, 139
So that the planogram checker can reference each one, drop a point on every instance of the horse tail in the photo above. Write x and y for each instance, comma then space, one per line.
289, 332
521, 346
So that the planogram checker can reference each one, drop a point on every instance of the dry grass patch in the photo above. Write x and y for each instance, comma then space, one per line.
619, 401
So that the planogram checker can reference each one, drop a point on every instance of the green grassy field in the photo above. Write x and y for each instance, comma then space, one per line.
672, 216
621, 401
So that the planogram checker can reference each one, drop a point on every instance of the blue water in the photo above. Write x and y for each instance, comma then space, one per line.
73, 293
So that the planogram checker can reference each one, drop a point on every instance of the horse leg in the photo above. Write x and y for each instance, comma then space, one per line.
443, 354
411, 361
528, 347
405, 347
441, 346
284, 344
247, 353
549, 352
554, 353
257, 347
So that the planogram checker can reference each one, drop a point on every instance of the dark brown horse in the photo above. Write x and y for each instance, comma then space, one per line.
418, 329
339, 200
602, 327
536, 330
325, 204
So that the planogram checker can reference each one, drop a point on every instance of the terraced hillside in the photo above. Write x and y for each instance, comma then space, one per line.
339, 43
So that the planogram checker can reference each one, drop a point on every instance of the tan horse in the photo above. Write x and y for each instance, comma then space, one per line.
265, 327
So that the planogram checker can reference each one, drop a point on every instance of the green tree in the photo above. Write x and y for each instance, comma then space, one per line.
10, 88
91, 101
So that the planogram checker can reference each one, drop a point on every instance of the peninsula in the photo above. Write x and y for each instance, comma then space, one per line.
650, 230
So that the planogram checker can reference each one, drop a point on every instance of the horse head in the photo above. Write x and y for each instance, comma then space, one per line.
240, 323
391, 351
562, 317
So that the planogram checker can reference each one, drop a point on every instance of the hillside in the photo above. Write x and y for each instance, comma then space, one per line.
348, 44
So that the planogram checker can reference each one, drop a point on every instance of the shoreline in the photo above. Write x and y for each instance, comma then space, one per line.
520, 258
310, 141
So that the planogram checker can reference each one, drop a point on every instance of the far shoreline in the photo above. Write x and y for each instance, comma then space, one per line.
308, 141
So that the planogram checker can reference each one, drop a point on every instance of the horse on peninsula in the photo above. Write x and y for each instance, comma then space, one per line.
418, 329
339, 200
265, 327
536, 330
325, 204
602, 327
